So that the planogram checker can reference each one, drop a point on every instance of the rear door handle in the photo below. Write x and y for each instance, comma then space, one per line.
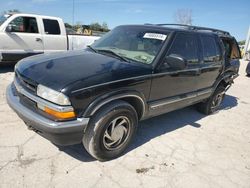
198, 72
38, 39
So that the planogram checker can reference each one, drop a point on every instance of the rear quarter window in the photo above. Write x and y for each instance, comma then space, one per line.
235, 51
231, 49
51, 27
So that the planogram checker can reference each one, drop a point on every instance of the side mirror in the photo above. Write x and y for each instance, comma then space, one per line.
9, 28
176, 62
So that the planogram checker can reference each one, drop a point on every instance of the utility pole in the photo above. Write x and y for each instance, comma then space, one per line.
73, 12
247, 46
73, 20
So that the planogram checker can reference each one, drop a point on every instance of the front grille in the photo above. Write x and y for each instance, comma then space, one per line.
14, 91
26, 83
27, 102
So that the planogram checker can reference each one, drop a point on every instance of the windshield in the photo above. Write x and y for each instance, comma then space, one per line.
133, 43
3, 18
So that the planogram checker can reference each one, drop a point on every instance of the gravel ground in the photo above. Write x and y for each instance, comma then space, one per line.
179, 149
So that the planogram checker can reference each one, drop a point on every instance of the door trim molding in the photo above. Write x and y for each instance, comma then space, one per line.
179, 98
175, 72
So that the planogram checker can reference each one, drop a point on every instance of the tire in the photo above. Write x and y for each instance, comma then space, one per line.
212, 104
110, 130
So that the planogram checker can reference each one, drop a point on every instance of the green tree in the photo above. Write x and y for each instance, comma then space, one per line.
105, 26
242, 42
95, 26
77, 26
11, 11
67, 25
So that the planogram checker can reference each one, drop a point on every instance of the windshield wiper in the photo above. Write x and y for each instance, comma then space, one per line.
90, 47
114, 54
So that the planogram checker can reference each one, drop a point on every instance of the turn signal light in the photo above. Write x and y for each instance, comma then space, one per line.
59, 115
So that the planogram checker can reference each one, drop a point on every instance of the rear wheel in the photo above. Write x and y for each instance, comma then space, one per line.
213, 103
110, 130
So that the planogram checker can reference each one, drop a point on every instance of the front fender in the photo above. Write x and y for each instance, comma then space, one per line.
106, 98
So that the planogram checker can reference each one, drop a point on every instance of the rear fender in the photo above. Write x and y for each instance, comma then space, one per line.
227, 79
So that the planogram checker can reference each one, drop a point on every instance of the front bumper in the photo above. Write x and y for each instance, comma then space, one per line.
60, 133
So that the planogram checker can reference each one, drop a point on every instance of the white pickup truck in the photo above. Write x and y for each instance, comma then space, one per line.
23, 35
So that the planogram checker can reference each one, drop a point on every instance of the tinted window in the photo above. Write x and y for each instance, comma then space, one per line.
24, 25
185, 45
51, 27
211, 50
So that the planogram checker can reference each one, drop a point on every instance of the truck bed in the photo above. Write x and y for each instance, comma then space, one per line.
77, 42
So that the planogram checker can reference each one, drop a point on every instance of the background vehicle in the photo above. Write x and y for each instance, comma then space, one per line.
247, 46
248, 69
132, 73
23, 35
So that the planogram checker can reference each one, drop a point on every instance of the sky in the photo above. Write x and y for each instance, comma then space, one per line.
229, 15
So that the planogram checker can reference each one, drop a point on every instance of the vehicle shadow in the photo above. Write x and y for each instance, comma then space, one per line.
7, 67
163, 124
157, 126
77, 151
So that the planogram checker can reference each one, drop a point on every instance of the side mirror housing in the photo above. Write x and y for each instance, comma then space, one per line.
175, 62
9, 28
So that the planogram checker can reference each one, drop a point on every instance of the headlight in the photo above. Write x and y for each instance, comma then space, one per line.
52, 95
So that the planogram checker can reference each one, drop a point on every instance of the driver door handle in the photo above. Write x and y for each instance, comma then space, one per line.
38, 39
198, 72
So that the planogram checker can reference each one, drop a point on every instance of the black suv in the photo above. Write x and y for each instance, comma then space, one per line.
96, 96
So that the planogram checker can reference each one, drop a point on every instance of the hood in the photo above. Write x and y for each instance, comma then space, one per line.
79, 68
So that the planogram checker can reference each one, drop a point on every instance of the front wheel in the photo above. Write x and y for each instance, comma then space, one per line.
110, 130
213, 103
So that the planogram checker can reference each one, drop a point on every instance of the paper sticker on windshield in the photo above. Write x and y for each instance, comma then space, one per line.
155, 36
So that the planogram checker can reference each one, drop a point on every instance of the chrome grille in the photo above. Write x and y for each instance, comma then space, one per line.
26, 83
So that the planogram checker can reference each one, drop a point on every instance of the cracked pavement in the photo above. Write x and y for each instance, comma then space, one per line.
179, 149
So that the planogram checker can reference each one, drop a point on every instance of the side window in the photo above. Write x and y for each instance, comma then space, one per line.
235, 54
24, 25
231, 49
186, 46
51, 27
211, 50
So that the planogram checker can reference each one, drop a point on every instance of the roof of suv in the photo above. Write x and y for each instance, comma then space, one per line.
182, 27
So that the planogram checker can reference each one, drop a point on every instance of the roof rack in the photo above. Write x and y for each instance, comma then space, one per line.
191, 27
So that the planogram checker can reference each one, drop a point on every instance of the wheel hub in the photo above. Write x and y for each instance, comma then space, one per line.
116, 133
217, 100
